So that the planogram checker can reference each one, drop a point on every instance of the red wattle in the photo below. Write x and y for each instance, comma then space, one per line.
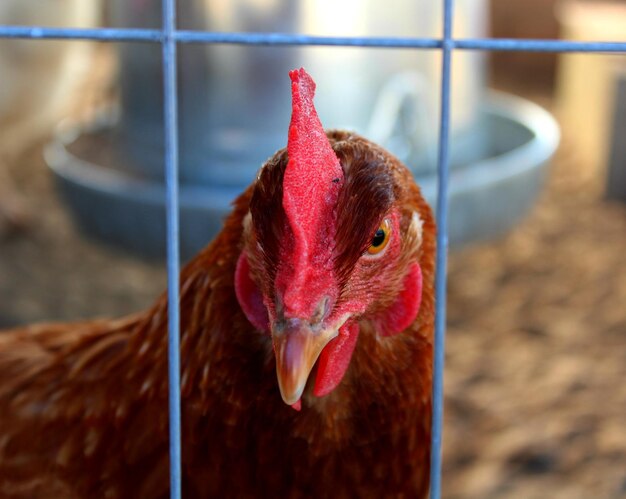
335, 359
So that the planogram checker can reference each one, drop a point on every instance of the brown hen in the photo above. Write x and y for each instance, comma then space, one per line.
319, 290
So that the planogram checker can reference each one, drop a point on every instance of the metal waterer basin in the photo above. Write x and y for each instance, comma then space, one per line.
491, 187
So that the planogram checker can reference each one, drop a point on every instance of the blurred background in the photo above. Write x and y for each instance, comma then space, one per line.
536, 344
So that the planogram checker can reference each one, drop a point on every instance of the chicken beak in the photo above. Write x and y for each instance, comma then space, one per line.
297, 345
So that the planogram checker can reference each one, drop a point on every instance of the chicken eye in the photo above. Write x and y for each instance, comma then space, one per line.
380, 239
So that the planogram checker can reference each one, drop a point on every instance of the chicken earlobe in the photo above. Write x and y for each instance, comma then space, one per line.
249, 296
401, 314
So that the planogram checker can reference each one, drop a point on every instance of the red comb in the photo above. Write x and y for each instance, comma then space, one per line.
313, 165
311, 184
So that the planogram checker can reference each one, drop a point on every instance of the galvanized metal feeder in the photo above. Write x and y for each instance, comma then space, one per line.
234, 105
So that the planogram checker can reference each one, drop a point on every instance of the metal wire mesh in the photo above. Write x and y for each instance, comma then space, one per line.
169, 37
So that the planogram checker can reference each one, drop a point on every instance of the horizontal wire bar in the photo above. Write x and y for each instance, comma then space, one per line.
291, 40
504, 44
100, 34
525, 45
183, 36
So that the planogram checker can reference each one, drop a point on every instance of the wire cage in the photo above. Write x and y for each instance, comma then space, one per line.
169, 37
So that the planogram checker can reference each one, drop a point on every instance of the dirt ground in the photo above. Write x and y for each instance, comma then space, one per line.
536, 343
536, 351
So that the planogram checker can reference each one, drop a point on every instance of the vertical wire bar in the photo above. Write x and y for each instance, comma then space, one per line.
442, 253
171, 186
